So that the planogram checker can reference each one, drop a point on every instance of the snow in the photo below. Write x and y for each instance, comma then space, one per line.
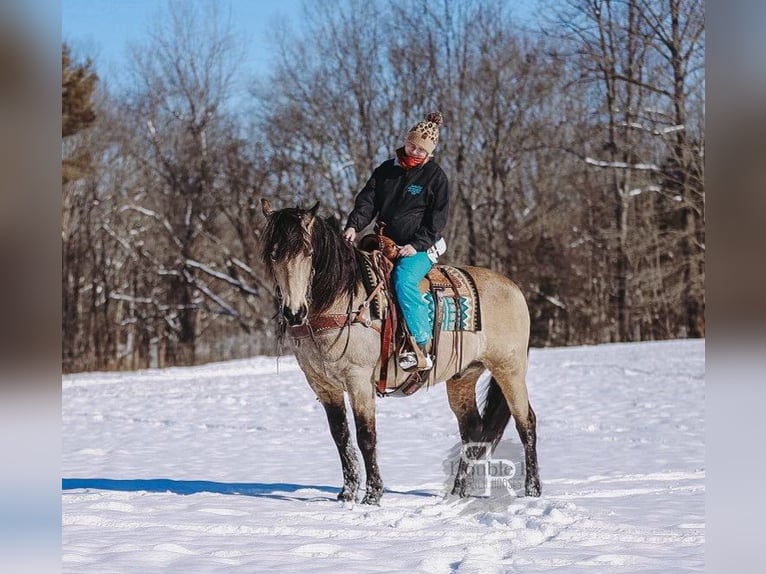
229, 467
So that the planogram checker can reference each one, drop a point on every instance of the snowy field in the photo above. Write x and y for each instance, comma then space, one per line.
230, 467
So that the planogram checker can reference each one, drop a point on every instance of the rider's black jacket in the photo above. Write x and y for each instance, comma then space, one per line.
412, 203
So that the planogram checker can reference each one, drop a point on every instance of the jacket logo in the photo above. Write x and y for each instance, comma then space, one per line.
413, 189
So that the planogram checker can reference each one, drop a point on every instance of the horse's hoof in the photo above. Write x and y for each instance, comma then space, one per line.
533, 489
346, 495
372, 499
460, 491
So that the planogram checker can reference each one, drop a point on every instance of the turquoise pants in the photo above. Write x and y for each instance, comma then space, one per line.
408, 272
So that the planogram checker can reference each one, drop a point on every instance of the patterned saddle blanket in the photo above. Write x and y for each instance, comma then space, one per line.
452, 286
456, 289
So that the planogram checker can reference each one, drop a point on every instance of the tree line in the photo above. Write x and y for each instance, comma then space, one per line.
575, 154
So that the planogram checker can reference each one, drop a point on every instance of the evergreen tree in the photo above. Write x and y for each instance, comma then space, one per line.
78, 83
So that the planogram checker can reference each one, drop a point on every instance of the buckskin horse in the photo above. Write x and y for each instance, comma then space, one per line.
317, 276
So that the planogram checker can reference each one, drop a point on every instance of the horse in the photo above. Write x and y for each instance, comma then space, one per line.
318, 273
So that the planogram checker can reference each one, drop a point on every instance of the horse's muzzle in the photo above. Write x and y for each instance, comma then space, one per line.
297, 318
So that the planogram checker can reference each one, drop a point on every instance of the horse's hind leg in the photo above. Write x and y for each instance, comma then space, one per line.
495, 415
461, 392
335, 408
528, 434
511, 381
362, 397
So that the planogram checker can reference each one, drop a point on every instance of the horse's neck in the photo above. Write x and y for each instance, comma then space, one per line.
341, 304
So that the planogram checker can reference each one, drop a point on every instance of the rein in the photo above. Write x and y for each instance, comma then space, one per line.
377, 264
331, 321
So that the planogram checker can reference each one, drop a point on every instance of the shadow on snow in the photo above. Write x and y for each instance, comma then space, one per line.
277, 490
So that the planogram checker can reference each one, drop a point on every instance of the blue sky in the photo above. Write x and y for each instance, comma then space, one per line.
102, 29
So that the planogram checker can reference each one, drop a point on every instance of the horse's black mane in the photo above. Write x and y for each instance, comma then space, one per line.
336, 262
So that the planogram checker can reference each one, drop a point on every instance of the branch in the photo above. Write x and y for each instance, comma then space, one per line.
553, 300
228, 310
130, 299
117, 238
654, 131
640, 84
222, 276
215, 298
154, 215
640, 190
148, 301
242, 265
623, 165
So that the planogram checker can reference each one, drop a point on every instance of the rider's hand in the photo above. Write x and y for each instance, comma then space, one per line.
349, 234
406, 250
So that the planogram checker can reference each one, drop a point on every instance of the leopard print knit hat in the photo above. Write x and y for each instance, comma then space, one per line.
426, 133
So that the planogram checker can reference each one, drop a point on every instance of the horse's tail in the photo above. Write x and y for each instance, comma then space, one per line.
495, 415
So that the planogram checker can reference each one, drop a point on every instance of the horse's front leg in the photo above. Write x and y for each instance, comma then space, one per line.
335, 408
362, 395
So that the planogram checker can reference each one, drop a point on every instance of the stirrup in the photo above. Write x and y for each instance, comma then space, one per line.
409, 361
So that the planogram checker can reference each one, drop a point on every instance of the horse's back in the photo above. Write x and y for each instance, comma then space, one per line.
498, 292
500, 337
494, 294
504, 311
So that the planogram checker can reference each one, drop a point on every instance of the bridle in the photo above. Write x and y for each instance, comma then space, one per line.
318, 324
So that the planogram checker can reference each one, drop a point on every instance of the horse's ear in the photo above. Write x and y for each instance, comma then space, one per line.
309, 216
266, 206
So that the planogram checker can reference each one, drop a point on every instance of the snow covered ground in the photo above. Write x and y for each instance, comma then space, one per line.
230, 467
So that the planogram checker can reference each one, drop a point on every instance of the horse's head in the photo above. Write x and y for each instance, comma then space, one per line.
288, 253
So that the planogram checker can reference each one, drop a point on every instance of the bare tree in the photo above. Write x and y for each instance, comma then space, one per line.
184, 76
575, 159
677, 30
332, 110
617, 46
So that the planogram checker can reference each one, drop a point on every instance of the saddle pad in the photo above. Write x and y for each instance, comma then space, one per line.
461, 310
465, 316
370, 280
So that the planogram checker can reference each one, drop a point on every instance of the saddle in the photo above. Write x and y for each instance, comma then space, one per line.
453, 303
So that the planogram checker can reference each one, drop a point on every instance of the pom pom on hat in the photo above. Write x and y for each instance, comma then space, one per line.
434, 118
426, 133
